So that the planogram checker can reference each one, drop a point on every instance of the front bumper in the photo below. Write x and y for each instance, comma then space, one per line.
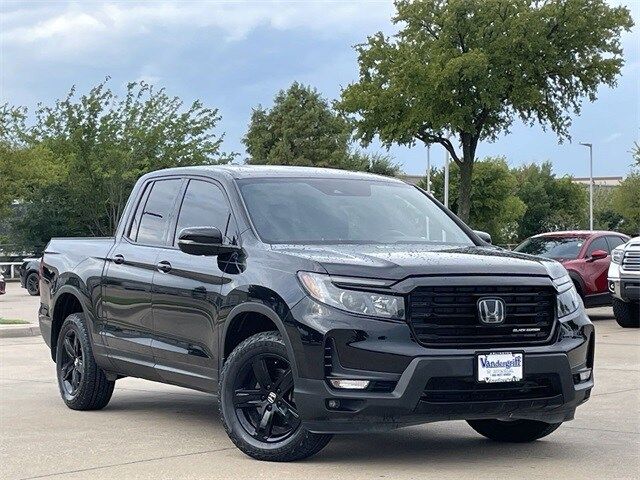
384, 353
625, 289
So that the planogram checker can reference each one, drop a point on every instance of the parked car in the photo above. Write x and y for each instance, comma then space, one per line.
585, 255
624, 283
315, 302
30, 275
3, 285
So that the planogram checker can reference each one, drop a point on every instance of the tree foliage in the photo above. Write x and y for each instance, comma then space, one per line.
302, 129
377, 163
552, 203
461, 71
625, 202
299, 129
78, 159
495, 207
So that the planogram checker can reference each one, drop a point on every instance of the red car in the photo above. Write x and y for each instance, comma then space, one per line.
585, 255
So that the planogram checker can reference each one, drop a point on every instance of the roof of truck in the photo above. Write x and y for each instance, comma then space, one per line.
279, 171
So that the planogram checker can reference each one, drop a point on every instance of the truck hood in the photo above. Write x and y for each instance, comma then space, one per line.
399, 261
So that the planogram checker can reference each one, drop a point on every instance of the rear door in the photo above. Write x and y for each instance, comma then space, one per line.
129, 277
596, 270
186, 293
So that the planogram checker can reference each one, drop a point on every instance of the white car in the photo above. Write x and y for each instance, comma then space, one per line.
624, 283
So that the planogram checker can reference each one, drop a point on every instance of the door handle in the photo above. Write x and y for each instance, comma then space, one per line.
164, 266
118, 259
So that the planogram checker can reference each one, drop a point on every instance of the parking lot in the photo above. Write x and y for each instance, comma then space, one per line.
158, 431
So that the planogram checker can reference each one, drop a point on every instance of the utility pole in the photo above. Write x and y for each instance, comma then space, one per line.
590, 146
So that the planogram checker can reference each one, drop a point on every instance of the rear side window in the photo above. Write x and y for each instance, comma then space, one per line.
615, 241
135, 223
154, 220
204, 205
598, 244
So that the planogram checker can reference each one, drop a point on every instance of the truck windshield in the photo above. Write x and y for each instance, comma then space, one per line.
329, 211
566, 248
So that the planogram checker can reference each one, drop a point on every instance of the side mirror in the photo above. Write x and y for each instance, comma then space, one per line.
203, 241
483, 235
598, 254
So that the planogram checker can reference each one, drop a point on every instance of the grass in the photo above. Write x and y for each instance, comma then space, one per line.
12, 321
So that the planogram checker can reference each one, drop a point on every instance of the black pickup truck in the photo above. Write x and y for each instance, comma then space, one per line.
315, 302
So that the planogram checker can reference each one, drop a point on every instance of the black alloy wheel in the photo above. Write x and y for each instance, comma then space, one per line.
263, 398
32, 284
72, 367
257, 404
83, 385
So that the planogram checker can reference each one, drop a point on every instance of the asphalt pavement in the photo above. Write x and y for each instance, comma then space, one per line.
155, 431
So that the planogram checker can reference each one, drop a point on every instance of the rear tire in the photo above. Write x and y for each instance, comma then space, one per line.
32, 284
516, 431
261, 418
627, 314
83, 385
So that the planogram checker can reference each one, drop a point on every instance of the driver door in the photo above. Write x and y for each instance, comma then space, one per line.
186, 294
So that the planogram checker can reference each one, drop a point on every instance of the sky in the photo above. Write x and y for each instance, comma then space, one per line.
234, 55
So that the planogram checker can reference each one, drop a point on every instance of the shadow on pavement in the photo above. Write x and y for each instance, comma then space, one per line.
435, 443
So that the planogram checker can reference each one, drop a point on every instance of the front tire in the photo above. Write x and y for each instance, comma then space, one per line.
627, 314
513, 431
257, 404
83, 385
32, 284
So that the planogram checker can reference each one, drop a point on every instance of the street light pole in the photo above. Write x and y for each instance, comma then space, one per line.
590, 146
428, 168
446, 178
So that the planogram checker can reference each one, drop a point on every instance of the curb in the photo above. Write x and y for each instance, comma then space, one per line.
13, 331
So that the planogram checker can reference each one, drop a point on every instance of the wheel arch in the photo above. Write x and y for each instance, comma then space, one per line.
578, 281
68, 300
240, 325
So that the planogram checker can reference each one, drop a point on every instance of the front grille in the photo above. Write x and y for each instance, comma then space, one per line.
448, 316
466, 389
631, 261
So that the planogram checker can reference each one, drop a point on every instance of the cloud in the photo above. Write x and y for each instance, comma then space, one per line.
74, 26
612, 137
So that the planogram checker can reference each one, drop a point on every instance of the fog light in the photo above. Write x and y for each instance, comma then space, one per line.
612, 287
333, 404
349, 384
582, 376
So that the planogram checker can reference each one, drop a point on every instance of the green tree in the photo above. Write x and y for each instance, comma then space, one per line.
635, 153
604, 215
299, 129
495, 208
98, 145
552, 203
626, 202
377, 163
461, 71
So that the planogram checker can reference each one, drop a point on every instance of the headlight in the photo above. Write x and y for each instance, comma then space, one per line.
616, 255
321, 288
568, 301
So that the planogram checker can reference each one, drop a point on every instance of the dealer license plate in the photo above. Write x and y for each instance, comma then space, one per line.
500, 367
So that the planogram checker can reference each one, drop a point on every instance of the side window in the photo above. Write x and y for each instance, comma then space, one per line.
204, 205
615, 241
132, 232
157, 209
598, 244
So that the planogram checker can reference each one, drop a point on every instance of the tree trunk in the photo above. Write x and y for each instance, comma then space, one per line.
464, 193
469, 144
